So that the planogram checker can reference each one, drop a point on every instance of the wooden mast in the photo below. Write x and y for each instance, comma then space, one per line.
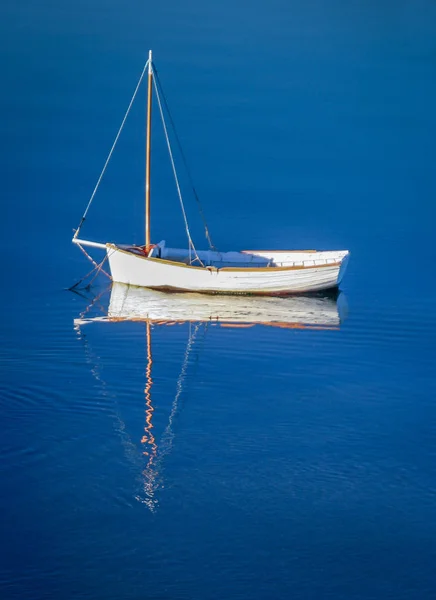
148, 154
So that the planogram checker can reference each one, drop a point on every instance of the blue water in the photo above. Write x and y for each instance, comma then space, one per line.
289, 463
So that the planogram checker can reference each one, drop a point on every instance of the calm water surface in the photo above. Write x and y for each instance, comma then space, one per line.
198, 460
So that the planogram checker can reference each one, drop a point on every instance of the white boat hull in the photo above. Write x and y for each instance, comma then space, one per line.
292, 272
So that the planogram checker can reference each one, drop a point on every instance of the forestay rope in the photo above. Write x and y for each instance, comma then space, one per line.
112, 149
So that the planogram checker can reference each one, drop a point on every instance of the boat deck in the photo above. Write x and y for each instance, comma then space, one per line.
246, 259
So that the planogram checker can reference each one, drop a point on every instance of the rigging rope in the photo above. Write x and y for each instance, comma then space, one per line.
97, 269
111, 150
185, 162
188, 233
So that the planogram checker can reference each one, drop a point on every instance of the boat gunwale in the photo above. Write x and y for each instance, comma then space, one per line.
282, 251
213, 268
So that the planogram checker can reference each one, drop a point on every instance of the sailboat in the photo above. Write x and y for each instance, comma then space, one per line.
157, 266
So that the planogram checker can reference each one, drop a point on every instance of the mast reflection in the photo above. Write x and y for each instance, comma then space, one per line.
148, 439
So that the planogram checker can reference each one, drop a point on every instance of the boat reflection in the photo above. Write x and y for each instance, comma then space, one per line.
154, 308
129, 303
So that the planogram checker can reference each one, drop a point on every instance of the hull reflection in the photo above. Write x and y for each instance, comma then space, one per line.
128, 303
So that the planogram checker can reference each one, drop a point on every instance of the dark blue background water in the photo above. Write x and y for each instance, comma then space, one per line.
303, 462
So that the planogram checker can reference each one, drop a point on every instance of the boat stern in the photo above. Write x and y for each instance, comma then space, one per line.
343, 267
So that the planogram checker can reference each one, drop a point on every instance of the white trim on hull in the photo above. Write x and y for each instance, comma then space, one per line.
308, 272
